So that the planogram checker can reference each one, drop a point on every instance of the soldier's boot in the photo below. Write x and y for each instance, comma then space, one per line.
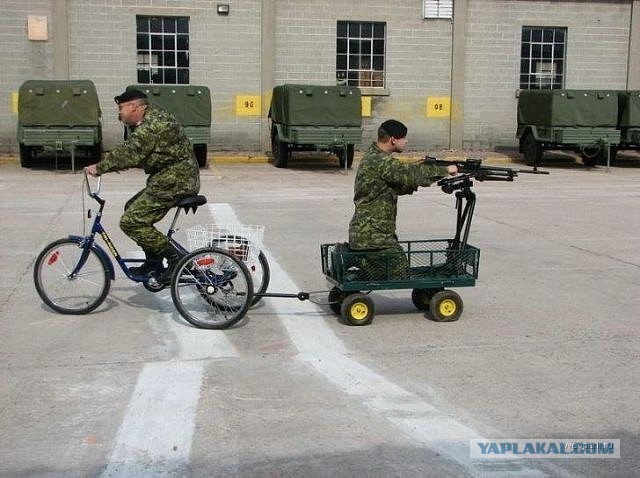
149, 265
173, 256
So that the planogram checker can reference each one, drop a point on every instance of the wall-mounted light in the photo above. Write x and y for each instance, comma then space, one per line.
223, 8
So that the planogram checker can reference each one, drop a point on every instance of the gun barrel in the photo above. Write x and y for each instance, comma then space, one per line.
532, 171
473, 165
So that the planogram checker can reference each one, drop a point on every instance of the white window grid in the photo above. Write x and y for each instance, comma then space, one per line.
543, 57
360, 56
162, 48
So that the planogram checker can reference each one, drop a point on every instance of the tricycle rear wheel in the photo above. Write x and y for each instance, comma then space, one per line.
211, 288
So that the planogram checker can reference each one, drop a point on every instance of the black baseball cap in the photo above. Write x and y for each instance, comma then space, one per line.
394, 128
129, 95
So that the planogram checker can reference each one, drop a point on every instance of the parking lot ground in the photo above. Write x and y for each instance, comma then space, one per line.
548, 345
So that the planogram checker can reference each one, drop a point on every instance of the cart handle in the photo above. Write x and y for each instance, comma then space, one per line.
300, 295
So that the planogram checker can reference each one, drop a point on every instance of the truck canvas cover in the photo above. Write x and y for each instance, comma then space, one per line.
313, 105
568, 108
58, 103
629, 104
190, 104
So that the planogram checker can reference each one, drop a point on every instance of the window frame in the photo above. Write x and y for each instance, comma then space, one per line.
544, 65
361, 50
162, 49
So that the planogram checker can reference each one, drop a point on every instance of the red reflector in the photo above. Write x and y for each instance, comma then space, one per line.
53, 258
205, 261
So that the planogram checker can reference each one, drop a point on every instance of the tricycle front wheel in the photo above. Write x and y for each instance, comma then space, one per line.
65, 289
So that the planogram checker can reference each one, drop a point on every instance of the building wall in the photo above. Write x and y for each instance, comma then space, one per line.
418, 59
20, 59
224, 55
228, 55
597, 53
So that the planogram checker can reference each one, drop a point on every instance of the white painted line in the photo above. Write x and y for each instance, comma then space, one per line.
322, 350
155, 436
201, 344
154, 439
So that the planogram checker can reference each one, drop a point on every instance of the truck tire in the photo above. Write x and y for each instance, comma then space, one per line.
592, 156
531, 149
349, 160
280, 152
26, 156
200, 150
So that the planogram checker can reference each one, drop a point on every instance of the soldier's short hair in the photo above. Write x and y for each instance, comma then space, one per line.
391, 129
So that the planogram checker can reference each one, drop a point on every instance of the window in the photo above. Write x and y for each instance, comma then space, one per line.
542, 58
438, 8
360, 50
163, 50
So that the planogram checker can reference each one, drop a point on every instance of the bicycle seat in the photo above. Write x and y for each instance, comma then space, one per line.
191, 203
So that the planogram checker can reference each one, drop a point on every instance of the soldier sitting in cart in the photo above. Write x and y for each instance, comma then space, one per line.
380, 179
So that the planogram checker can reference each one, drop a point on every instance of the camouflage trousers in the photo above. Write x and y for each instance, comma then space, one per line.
385, 264
141, 212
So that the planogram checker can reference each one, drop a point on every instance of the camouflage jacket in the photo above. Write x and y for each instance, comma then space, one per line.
380, 179
160, 147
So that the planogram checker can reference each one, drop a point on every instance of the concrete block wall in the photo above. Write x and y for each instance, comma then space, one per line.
226, 54
20, 59
596, 52
418, 59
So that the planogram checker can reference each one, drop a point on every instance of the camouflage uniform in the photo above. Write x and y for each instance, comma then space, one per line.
159, 146
380, 179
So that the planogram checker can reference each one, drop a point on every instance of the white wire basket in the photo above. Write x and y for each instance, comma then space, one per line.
242, 240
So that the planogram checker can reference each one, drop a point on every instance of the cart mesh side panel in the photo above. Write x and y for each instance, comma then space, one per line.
421, 261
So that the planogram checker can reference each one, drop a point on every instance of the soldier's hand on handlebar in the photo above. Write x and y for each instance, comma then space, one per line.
91, 170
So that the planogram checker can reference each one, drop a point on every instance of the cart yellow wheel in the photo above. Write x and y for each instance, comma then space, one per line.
446, 306
336, 296
357, 309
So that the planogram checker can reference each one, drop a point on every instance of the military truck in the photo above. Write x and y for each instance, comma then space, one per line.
315, 118
584, 121
58, 114
628, 121
191, 105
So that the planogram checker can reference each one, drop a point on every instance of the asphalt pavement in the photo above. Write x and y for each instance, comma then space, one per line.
547, 348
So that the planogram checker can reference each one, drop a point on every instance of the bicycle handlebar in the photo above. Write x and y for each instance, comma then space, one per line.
93, 194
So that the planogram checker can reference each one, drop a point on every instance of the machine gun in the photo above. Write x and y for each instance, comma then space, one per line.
465, 197
473, 168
